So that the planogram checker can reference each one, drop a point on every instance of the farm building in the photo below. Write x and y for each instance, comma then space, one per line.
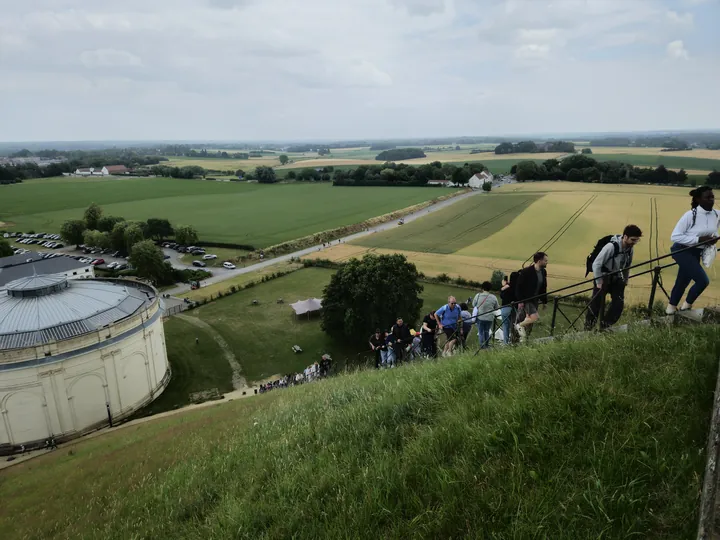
31, 264
74, 355
480, 178
108, 170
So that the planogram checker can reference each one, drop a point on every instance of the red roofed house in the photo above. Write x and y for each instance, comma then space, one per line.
115, 170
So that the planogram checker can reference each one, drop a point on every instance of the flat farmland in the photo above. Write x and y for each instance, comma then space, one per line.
670, 159
255, 214
563, 219
653, 151
469, 221
219, 164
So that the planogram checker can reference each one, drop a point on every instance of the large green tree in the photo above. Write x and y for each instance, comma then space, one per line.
133, 235
106, 223
370, 293
265, 175
186, 235
148, 261
92, 216
5, 249
97, 239
159, 228
72, 231
284, 159
117, 236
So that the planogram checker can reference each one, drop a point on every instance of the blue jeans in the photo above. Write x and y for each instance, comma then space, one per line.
689, 269
484, 328
506, 322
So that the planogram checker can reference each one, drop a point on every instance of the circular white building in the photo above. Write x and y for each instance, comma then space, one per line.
75, 353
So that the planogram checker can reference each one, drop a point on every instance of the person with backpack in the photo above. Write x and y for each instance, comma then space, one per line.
485, 304
612, 255
697, 226
531, 291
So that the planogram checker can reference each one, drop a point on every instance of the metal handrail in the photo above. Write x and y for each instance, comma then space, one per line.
655, 269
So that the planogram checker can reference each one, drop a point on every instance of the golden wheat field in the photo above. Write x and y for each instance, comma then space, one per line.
565, 221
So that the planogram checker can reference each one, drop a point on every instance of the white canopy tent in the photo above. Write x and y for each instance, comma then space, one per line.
308, 306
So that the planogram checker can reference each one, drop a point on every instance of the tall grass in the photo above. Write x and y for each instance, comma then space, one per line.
596, 439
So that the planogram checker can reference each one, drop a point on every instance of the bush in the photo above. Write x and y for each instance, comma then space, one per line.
443, 278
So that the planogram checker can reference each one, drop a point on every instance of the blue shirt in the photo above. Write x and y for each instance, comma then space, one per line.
449, 317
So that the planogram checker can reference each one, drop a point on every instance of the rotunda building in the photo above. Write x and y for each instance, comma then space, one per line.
76, 355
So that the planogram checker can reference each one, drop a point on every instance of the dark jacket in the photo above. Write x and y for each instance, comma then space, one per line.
401, 332
527, 283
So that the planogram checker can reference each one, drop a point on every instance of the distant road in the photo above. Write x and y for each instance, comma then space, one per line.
222, 274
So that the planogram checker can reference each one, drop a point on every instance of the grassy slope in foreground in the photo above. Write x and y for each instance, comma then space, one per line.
255, 214
592, 439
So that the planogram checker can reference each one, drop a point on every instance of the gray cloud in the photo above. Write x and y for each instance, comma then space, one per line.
188, 69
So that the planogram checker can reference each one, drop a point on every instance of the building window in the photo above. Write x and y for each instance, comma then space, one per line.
74, 273
87, 269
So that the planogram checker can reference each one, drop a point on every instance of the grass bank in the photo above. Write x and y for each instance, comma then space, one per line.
593, 439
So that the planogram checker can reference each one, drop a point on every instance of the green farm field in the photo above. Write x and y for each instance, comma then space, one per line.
667, 158
254, 214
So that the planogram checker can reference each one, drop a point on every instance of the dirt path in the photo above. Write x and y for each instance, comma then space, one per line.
238, 380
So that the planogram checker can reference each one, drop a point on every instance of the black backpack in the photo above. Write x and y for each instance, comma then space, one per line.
513, 285
604, 241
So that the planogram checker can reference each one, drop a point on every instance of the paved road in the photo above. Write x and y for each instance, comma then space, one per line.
222, 274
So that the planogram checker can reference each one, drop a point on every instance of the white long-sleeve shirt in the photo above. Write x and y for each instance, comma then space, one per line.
706, 224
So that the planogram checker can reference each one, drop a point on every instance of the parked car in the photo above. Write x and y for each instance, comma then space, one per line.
209, 257
112, 265
58, 245
166, 257
199, 264
229, 265
97, 262
121, 266
198, 252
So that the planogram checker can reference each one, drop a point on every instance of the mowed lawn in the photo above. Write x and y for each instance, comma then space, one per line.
449, 230
262, 336
254, 214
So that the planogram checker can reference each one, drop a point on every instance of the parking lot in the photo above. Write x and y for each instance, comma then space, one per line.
49, 245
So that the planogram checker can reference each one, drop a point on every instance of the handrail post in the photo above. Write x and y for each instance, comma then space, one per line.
653, 289
556, 301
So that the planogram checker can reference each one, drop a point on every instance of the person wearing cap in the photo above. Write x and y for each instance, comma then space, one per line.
377, 344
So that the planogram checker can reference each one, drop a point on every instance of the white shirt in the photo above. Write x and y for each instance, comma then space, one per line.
706, 224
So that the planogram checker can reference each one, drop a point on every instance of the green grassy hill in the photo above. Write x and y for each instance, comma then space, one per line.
597, 439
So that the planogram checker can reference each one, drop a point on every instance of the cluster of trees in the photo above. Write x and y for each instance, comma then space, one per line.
398, 154
311, 175
134, 237
190, 171
639, 142
302, 148
530, 147
583, 168
370, 293
11, 174
382, 146
401, 174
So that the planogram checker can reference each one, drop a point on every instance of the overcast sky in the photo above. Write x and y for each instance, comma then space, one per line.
346, 69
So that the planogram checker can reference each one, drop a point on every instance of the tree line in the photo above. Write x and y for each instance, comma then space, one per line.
530, 147
136, 238
401, 174
398, 154
584, 168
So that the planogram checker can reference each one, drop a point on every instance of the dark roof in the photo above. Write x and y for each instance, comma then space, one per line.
14, 260
116, 168
56, 265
